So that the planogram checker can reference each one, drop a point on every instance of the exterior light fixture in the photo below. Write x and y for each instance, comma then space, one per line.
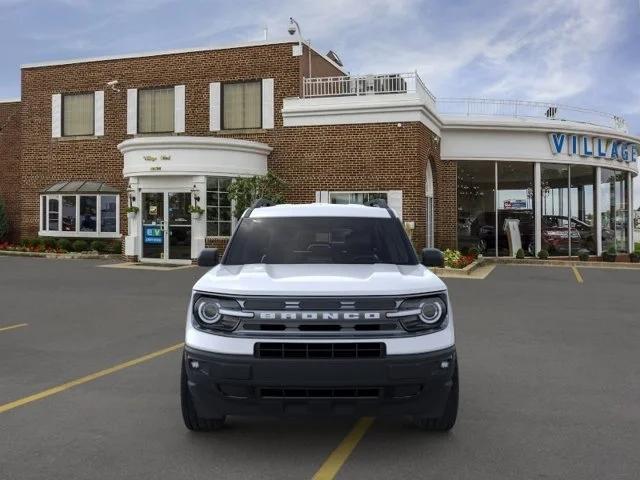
131, 191
196, 194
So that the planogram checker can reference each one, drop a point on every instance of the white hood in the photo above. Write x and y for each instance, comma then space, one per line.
319, 280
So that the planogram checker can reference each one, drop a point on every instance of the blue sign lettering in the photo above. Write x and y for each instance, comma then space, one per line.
557, 141
588, 146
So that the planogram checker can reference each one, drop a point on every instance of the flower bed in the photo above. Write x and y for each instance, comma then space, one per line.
455, 259
49, 245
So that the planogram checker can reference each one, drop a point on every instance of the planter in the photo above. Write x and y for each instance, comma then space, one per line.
196, 216
131, 215
609, 257
634, 257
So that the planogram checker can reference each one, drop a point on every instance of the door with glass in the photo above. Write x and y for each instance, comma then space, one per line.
166, 226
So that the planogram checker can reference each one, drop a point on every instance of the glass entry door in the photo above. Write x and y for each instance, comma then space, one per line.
166, 226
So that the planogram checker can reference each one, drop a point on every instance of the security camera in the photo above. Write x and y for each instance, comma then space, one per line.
112, 84
292, 26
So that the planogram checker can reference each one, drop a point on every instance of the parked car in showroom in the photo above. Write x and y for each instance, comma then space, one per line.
320, 309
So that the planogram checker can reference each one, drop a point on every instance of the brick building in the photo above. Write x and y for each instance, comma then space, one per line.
163, 131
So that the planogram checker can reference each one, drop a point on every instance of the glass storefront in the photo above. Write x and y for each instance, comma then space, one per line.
497, 205
516, 220
476, 207
614, 210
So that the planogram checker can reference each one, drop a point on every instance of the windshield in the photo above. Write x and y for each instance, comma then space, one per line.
338, 240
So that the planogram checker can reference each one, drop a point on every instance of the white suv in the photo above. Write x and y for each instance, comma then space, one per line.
319, 309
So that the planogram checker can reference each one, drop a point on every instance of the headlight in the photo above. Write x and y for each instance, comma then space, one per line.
422, 313
431, 310
214, 313
208, 310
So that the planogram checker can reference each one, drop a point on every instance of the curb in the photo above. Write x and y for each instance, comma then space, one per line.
563, 263
63, 256
468, 270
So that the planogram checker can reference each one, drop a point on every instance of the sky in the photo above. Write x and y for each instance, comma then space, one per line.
578, 52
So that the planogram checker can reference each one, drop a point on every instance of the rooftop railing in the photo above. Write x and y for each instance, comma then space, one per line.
479, 107
356, 85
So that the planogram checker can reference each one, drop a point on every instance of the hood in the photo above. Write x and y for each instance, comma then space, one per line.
319, 280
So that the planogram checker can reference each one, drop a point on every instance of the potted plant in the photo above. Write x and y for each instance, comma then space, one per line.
520, 254
543, 254
610, 255
196, 211
132, 212
634, 257
583, 255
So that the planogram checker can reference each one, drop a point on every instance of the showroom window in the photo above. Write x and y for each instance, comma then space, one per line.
80, 209
476, 206
554, 224
219, 209
78, 114
242, 105
360, 198
582, 203
515, 202
156, 110
614, 211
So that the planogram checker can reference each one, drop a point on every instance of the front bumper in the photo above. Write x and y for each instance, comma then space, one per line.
416, 384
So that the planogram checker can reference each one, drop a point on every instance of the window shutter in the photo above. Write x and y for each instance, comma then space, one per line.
322, 197
267, 103
56, 115
179, 97
394, 200
98, 113
132, 111
214, 106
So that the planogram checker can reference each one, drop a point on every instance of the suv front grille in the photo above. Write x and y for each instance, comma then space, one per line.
320, 350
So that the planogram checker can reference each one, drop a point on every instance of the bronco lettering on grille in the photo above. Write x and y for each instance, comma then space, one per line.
319, 315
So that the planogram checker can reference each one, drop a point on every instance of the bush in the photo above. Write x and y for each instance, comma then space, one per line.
583, 255
543, 254
474, 252
49, 243
79, 246
64, 244
4, 222
520, 254
99, 246
610, 255
26, 243
116, 247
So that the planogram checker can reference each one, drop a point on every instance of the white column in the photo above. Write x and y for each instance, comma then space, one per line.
537, 206
199, 226
630, 211
133, 241
596, 191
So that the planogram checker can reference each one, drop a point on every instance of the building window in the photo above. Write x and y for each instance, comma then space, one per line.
516, 220
242, 105
80, 215
78, 114
219, 215
477, 207
359, 198
156, 110
614, 210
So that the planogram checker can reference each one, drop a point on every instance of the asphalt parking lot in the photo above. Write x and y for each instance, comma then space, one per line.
549, 369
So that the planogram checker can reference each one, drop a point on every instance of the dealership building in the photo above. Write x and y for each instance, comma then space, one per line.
160, 133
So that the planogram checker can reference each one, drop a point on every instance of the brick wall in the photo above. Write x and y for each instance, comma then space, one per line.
10, 163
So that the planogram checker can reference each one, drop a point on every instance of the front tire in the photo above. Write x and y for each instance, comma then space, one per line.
189, 414
447, 420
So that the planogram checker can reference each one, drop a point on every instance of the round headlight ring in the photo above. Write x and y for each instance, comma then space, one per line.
431, 311
208, 311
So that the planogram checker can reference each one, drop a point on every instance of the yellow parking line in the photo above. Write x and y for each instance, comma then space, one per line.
577, 274
94, 376
333, 464
11, 327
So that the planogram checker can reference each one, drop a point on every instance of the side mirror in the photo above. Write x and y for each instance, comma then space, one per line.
208, 257
432, 257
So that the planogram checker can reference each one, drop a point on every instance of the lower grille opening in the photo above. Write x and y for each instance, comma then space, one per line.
320, 393
320, 350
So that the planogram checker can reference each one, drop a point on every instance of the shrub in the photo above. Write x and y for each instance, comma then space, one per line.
451, 257
49, 243
116, 247
26, 243
4, 221
520, 254
99, 246
246, 190
610, 255
583, 255
474, 252
543, 254
64, 244
79, 246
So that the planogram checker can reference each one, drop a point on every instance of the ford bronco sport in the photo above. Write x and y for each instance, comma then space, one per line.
319, 309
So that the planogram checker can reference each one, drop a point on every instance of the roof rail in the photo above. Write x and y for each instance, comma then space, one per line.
261, 202
380, 203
